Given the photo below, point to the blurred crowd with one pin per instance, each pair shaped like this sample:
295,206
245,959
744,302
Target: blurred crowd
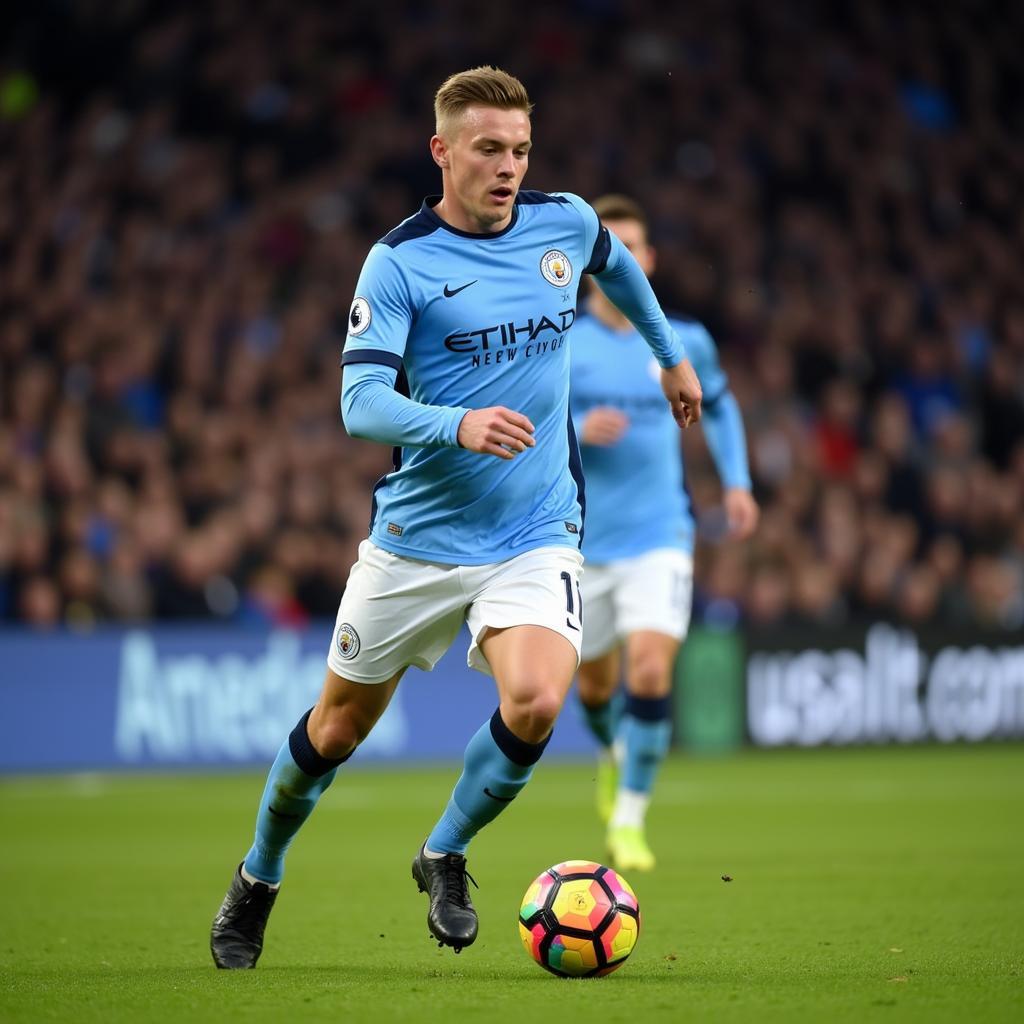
187,192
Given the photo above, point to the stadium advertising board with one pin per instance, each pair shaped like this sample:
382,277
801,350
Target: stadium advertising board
207,696
883,685
218,697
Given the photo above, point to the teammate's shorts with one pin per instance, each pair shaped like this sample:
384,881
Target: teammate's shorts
399,611
652,591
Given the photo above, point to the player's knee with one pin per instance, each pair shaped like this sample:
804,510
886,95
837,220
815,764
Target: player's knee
337,733
532,717
595,687
650,675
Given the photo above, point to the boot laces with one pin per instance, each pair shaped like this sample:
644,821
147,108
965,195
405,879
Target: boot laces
455,875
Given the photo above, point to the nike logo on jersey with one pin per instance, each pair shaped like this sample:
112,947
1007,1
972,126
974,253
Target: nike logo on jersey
500,799
449,292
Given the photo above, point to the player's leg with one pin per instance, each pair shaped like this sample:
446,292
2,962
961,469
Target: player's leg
597,686
395,612
533,666
600,665
644,734
653,612
600,673
324,738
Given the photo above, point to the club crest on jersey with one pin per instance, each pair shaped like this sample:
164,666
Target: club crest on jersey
359,316
347,641
556,268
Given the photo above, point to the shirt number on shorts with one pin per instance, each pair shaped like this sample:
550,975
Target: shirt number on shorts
567,580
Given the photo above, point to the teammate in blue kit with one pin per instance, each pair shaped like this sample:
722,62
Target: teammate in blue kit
639,539
458,356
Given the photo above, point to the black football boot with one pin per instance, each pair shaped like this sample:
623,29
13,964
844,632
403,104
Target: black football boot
451,918
236,938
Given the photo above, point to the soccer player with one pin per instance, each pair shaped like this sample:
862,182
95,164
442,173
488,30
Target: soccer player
458,356
639,539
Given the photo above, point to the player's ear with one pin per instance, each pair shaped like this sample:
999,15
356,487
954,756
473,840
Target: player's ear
652,258
439,151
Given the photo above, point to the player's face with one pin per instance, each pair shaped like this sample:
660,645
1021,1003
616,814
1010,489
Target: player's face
633,236
483,164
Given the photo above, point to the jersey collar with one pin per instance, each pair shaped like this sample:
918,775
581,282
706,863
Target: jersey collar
427,210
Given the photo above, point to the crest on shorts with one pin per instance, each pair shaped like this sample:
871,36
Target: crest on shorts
556,268
346,639
359,316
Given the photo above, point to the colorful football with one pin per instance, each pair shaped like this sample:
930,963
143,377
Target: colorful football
579,919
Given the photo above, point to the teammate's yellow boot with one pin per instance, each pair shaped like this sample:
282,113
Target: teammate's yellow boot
628,849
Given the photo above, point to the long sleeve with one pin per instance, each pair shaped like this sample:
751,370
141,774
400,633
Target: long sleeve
372,409
622,280
723,430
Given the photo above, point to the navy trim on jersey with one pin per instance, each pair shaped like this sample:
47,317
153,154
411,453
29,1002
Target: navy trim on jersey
602,250
371,355
417,226
576,469
531,197
427,211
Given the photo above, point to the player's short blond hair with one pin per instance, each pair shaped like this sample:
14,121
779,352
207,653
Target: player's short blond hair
619,207
486,86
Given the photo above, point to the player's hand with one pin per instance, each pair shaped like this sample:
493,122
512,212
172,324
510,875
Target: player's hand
496,431
741,512
682,389
603,426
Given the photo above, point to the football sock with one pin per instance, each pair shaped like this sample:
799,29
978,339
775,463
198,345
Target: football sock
645,731
603,719
497,766
296,781
630,809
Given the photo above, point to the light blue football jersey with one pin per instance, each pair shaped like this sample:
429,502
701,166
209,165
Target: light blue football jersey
472,321
636,499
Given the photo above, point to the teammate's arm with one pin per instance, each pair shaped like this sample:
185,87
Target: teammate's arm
602,426
723,430
724,433
619,276
622,280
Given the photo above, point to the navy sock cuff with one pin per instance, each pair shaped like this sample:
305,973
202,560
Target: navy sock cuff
305,755
516,750
649,709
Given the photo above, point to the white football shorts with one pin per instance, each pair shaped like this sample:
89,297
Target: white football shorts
399,611
652,591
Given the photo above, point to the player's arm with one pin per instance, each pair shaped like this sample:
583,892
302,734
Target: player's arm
724,433
619,276
371,408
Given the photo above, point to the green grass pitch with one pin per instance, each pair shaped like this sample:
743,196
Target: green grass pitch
866,885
